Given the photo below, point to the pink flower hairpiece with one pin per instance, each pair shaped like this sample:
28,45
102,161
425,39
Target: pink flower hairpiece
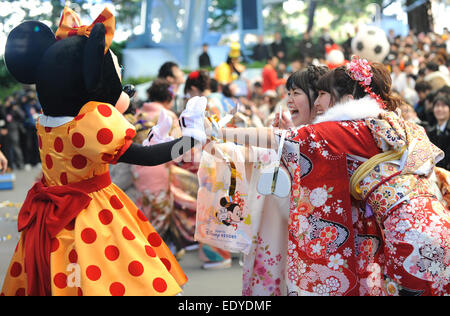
359,69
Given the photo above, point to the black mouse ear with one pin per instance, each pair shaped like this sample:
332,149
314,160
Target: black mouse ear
94,55
25,46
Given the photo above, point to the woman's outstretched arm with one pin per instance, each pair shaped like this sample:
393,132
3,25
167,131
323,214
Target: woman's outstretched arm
259,137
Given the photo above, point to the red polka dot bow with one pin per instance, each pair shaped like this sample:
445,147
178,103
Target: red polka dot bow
70,25
236,199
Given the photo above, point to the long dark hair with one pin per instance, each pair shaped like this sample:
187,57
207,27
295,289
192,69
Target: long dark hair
307,79
338,83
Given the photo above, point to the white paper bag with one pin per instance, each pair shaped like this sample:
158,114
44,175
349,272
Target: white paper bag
223,217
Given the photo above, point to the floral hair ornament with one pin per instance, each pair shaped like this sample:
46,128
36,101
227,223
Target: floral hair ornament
359,69
194,75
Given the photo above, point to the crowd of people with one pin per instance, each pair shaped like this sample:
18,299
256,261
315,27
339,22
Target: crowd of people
419,66
18,139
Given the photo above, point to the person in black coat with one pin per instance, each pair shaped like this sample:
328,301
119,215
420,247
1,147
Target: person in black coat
14,117
324,40
278,48
260,50
439,134
423,88
203,60
29,104
306,48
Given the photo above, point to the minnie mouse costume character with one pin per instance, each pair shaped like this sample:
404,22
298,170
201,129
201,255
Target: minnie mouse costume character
81,235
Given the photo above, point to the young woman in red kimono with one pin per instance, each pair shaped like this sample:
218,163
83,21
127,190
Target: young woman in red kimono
361,146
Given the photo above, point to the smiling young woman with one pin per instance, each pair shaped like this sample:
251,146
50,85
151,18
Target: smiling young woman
302,91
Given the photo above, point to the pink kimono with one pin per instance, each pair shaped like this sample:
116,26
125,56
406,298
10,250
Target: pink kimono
166,194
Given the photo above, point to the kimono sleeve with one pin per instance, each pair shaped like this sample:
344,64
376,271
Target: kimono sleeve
339,138
101,133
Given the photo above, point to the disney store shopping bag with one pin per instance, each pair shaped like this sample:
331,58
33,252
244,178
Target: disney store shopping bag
223,217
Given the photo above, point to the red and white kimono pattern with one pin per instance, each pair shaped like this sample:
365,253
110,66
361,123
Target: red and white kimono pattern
409,257
333,249
415,223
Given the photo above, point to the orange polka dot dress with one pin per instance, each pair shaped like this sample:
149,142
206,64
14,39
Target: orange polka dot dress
110,248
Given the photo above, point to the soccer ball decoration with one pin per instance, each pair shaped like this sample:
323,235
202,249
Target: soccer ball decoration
371,43
334,56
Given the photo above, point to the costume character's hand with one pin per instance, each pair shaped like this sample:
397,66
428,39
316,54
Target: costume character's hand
160,132
192,119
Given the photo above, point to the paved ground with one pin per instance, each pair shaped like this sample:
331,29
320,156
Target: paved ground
226,282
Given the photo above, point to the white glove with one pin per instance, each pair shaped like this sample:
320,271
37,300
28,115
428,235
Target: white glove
160,132
192,119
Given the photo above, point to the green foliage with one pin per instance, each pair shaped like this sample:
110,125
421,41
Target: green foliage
222,15
128,12
293,49
273,21
343,11
348,10
117,48
255,65
138,80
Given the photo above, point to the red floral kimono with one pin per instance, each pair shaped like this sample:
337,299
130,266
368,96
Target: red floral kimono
323,257
335,249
